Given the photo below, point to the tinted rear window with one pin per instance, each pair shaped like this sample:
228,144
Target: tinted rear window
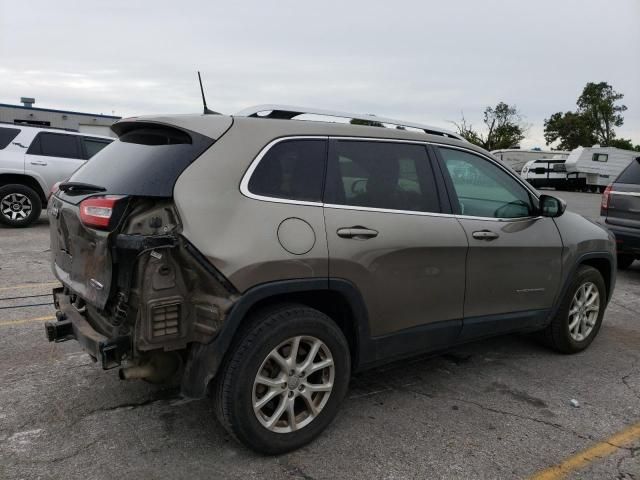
145,161
93,145
292,169
631,174
7,135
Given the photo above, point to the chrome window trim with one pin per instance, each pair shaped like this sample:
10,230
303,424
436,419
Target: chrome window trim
631,194
244,183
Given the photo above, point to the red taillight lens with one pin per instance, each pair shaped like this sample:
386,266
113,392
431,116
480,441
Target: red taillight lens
97,211
54,189
605,197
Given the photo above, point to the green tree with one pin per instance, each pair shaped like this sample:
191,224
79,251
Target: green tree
503,124
624,143
597,105
366,123
570,129
597,115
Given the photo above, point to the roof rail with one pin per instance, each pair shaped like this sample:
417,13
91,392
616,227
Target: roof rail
288,112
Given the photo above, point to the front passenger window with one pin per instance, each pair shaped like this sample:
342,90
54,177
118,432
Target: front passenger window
484,189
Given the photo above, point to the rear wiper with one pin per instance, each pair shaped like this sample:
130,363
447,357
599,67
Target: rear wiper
80,187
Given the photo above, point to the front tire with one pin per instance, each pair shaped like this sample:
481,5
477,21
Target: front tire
579,317
284,379
20,205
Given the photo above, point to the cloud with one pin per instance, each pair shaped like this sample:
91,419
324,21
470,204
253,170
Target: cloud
422,61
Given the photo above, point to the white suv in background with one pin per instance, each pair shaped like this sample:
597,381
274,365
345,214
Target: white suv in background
32,160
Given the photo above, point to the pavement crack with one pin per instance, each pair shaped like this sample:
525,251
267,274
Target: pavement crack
625,380
74,453
294,471
557,426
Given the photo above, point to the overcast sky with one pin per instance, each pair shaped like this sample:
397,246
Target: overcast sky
425,61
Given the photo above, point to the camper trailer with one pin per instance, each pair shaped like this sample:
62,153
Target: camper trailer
552,173
516,158
601,165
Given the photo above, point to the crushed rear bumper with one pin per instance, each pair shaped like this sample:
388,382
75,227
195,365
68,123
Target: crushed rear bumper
73,324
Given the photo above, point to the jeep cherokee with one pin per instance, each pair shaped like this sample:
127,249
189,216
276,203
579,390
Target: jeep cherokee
265,258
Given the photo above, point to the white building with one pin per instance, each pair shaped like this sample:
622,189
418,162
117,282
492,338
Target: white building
27,114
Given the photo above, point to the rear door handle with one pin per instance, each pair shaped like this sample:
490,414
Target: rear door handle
357,232
485,235
38,162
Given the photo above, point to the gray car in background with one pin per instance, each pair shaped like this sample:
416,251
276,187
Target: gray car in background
620,212
264,259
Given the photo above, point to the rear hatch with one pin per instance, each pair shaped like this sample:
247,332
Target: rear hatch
624,198
88,210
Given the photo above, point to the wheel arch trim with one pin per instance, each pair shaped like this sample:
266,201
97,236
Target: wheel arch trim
204,360
577,263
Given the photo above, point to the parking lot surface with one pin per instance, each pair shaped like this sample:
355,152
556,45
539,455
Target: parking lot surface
500,408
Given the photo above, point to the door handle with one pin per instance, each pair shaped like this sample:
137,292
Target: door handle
357,232
485,235
38,162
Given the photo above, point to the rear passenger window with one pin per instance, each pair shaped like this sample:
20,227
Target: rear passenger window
7,135
55,145
291,169
631,174
395,176
93,145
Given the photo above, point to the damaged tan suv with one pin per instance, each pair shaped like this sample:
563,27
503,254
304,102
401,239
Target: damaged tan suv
264,258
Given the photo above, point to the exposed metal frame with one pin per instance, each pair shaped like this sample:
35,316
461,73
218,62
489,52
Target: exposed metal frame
244,183
289,112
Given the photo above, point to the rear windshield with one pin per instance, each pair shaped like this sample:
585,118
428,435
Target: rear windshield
7,135
145,161
631,174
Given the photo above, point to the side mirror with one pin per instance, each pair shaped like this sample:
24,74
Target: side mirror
551,206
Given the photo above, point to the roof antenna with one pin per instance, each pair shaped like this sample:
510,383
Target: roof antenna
204,101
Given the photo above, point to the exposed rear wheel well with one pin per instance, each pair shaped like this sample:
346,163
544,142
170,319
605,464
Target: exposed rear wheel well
603,265
331,303
9,178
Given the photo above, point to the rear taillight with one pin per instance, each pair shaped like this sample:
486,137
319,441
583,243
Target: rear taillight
605,197
54,189
97,212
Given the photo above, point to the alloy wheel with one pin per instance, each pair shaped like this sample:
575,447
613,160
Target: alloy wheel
293,384
16,206
584,311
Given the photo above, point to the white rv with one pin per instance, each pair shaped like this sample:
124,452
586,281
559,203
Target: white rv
516,158
552,173
600,164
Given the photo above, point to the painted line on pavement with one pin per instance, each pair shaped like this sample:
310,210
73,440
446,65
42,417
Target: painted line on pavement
27,320
31,285
586,457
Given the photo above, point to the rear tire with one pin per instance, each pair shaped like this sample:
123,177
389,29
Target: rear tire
577,321
295,409
20,205
625,261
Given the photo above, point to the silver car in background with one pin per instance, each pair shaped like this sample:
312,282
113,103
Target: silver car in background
32,160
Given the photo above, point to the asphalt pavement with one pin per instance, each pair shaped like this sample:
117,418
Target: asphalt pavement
495,409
